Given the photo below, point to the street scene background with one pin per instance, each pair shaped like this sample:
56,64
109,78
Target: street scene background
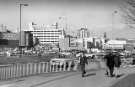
79,43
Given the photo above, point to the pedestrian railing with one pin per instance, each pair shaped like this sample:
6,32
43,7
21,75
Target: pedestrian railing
22,70
27,69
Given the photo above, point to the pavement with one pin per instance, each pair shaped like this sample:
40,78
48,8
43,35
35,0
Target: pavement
94,78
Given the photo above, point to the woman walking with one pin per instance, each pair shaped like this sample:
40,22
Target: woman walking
117,63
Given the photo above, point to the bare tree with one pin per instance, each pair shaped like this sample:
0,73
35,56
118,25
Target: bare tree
128,12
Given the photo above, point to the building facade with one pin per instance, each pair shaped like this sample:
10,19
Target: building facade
26,39
13,40
49,34
9,40
83,33
115,44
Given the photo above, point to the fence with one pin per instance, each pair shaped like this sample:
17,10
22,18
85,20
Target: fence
23,70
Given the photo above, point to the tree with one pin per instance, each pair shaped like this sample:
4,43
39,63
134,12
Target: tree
8,31
128,10
1,35
36,42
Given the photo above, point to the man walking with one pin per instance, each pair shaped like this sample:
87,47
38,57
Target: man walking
83,61
117,63
110,63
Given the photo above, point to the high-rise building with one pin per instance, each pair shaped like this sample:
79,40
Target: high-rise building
47,34
26,39
83,33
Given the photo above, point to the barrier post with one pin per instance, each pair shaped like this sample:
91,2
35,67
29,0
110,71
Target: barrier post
43,67
69,66
39,68
75,66
47,67
64,66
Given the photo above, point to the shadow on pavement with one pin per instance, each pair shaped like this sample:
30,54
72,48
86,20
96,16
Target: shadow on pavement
63,77
90,74
120,75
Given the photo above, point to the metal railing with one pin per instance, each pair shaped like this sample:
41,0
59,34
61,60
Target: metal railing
22,70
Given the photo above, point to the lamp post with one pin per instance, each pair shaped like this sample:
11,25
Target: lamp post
21,26
113,19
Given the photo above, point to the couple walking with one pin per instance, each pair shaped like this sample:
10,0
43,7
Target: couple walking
113,63
83,61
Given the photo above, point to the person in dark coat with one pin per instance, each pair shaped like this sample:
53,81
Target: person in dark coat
117,63
83,61
110,63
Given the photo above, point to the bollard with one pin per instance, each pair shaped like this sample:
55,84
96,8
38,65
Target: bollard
14,71
30,67
75,66
20,70
39,68
35,68
69,66
10,75
50,70
3,73
64,67
56,67
53,67
60,69
6,72
27,69
23,70
0,73
47,67
43,67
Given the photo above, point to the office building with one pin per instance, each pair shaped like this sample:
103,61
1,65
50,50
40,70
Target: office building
47,34
83,33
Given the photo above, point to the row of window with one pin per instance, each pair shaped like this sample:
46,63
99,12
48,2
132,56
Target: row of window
46,31
49,41
41,34
46,36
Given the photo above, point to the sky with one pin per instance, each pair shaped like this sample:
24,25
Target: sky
96,15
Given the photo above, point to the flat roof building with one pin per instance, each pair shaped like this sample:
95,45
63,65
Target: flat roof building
46,34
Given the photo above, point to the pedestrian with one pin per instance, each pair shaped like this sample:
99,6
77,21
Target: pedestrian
92,58
109,58
117,63
83,61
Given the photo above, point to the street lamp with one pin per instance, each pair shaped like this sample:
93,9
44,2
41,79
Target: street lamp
113,19
21,25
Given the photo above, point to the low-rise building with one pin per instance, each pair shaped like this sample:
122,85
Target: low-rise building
115,44
81,43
